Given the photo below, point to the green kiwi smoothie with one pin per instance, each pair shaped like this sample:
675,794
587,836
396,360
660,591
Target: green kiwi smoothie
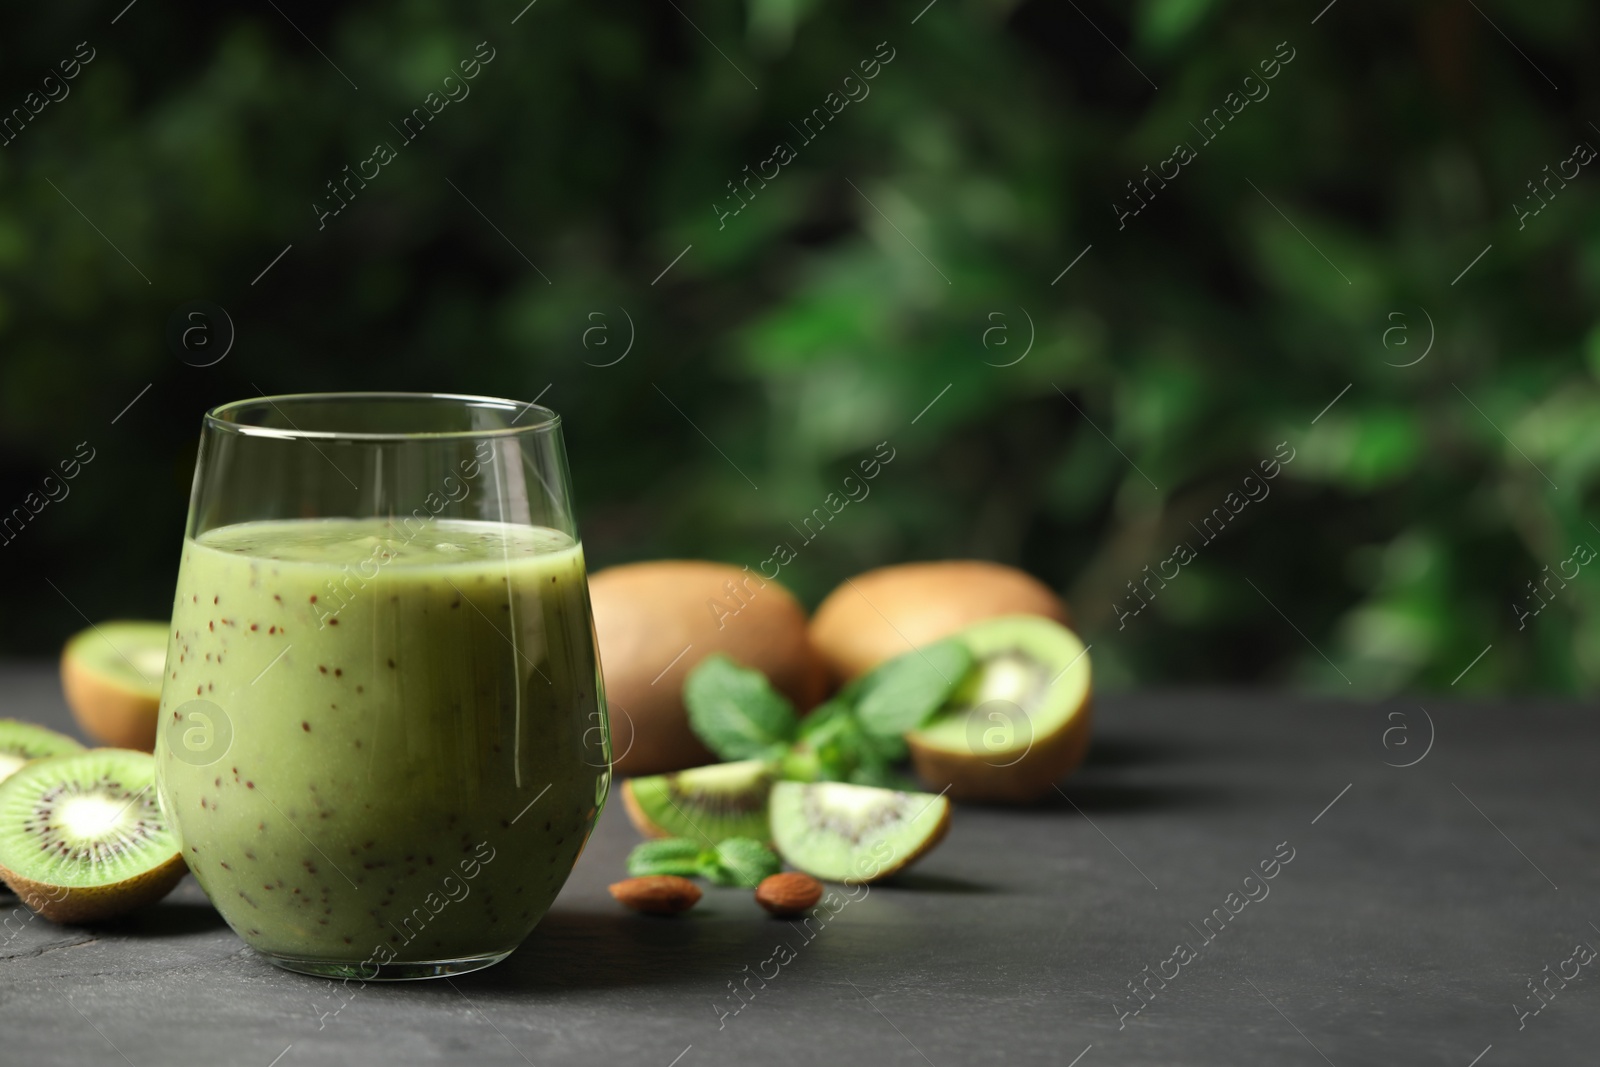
378,742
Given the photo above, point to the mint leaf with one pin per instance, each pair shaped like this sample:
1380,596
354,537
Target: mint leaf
825,751
740,861
837,747
824,717
875,758
672,855
904,693
736,712
885,750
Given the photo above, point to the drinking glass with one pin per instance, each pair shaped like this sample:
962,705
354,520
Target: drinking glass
383,736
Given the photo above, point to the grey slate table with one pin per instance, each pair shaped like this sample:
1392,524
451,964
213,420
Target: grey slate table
1419,903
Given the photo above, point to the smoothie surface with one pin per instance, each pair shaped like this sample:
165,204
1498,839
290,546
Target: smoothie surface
390,541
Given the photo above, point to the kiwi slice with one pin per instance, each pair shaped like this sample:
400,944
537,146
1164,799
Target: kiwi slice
703,803
854,833
23,741
82,837
112,677
1018,723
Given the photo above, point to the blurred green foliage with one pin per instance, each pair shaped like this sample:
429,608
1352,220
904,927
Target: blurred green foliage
858,284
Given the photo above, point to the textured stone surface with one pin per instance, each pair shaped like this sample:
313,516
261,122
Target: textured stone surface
1404,930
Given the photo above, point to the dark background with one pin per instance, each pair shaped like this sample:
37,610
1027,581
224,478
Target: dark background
912,246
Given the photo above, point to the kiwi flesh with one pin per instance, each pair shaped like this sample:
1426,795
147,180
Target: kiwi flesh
111,674
21,742
708,804
1021,720
854,833
82,837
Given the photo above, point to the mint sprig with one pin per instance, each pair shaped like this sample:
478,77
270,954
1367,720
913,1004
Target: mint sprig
672,855
858,736
740,861
736,712
904,693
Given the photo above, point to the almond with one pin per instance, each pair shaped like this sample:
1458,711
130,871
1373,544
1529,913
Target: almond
788,894
657,894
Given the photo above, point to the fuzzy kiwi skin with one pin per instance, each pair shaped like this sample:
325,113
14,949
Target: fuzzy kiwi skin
970,777
645,614
107,709
870,618
926,847
90,904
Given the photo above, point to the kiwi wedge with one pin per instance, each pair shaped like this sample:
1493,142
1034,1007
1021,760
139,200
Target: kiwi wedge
854,833
1018,723
112,677
21,742
708,804
82,837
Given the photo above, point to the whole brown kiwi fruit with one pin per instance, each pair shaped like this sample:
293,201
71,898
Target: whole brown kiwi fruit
885,613
656,621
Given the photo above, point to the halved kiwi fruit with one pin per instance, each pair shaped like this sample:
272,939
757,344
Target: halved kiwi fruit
21,742
82,837
1021,720
112,677
717,802
854,833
